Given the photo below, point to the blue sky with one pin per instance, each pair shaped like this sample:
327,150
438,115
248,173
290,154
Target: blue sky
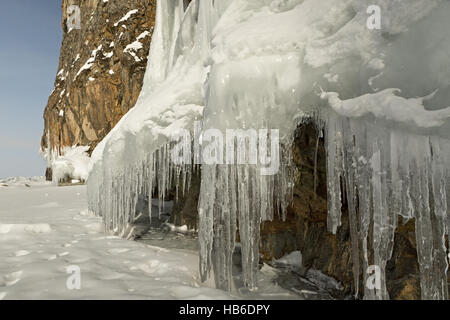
30,39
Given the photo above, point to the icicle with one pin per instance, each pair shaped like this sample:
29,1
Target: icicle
224,229
242,194
351,189
178,12
335,164
206,219
384,223
428,200
316,154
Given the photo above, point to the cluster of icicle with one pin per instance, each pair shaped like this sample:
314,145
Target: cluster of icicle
384,173
240,195
233,197
116,198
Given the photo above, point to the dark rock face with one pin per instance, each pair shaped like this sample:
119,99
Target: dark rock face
100,73
185,207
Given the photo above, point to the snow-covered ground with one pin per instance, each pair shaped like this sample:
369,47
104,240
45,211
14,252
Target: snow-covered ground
44,230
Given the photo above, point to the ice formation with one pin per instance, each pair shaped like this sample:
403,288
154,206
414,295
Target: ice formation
68,162
72,163
381,97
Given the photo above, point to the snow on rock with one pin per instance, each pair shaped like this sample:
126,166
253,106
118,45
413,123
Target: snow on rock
178,229
292,259
241,64
132,48
89,63
126,16
108,54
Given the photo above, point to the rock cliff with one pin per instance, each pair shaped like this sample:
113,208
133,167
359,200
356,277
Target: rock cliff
101,70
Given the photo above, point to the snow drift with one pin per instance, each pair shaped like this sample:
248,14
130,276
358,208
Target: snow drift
381,97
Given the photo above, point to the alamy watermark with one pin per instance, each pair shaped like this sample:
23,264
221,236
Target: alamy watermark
374,20
374,280
234,146
73,281
74,17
